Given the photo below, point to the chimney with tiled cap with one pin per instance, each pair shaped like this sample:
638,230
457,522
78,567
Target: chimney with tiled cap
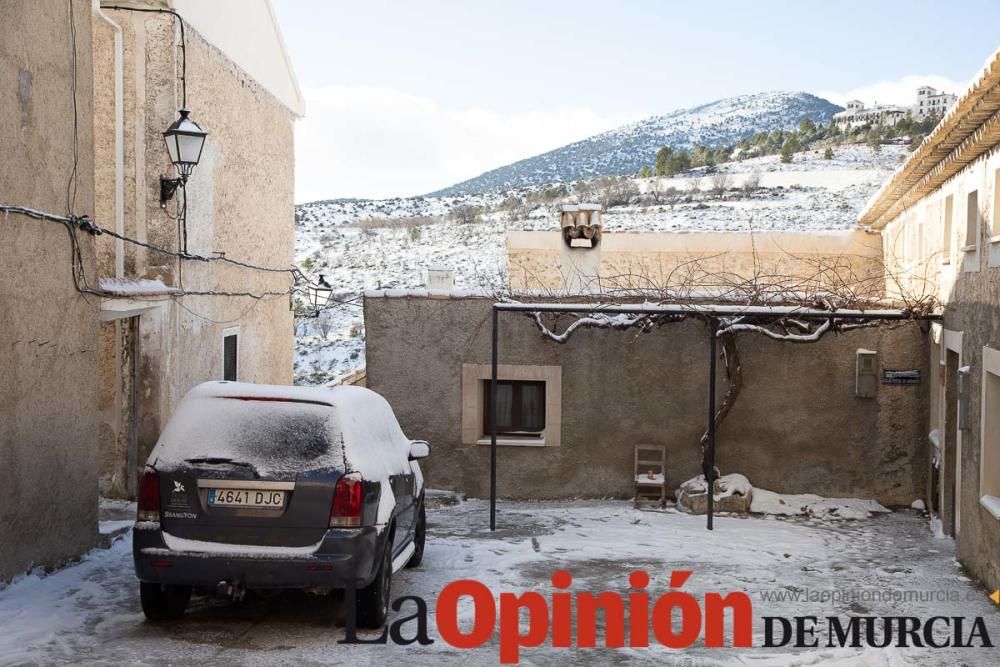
580,253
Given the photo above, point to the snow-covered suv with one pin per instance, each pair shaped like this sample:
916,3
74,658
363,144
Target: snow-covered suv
257,486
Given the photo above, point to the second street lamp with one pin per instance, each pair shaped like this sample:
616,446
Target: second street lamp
320,294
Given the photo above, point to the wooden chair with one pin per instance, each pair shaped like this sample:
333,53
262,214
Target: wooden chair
650,474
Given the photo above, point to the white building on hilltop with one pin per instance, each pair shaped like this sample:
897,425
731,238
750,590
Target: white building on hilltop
858,114
929,101
932,101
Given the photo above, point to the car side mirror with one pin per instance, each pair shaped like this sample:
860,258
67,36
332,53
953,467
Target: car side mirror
419,449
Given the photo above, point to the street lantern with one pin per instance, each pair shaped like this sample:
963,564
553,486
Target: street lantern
185,141
320,295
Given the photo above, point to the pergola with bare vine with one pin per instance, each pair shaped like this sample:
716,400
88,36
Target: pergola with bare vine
790,308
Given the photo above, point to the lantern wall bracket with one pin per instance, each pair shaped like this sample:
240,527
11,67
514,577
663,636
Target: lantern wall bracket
168,186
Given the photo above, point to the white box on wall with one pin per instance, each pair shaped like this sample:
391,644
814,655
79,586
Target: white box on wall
865,373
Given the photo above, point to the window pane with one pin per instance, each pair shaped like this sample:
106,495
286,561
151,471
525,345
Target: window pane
505,407
972,219
947,227
532,406
229,358
520,407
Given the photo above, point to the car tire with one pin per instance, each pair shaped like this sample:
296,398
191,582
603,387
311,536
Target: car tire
373,599
162,602
419,536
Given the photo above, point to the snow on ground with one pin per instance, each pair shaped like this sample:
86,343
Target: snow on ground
808,504
889,564
339,240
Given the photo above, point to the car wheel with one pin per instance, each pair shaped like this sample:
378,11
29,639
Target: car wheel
419,535
373,599
161,602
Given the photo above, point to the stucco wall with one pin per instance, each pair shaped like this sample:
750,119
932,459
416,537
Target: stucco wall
796,428
542,261
240,202
48,423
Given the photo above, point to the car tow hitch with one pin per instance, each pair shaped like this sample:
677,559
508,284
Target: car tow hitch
234,590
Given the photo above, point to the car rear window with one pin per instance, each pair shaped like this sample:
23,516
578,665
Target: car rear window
271,435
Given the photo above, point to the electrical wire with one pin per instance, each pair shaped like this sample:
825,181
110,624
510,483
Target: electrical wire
84,223
182,211
73,224
180,23
71,185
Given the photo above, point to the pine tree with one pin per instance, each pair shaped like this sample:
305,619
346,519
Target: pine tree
662,158
678,162
787,150
828,153
645,172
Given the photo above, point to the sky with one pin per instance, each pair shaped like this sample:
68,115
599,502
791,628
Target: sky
403,98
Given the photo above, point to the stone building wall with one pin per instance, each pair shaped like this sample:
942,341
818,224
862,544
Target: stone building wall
48,357
963,272
239,202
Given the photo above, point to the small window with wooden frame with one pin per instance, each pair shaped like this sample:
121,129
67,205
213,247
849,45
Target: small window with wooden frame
520,408
528,405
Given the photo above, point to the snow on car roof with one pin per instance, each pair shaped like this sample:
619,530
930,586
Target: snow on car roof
287,429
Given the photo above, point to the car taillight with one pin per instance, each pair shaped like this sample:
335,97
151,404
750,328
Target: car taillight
347,503
149,497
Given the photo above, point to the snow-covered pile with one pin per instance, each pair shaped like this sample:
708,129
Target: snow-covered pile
385,244
763,501
725,486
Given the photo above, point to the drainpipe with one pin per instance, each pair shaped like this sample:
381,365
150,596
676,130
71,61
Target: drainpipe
119,139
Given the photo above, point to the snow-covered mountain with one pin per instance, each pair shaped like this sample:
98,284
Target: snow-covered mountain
359,244
626,149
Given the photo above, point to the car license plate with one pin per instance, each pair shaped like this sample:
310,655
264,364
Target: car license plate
246,498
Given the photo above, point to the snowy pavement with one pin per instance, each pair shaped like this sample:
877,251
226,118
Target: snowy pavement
89,612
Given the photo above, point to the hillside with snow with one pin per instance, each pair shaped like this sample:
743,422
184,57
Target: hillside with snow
371,244
626,149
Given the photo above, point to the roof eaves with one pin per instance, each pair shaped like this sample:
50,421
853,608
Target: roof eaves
957,140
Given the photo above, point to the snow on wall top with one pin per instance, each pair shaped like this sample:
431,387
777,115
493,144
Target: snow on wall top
282,429
141,287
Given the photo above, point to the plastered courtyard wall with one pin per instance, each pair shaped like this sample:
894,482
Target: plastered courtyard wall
48,357
542,260
797,427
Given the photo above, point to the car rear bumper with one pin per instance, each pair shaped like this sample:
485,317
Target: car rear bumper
343,557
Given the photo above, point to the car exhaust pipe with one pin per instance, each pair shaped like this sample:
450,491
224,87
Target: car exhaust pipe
233,590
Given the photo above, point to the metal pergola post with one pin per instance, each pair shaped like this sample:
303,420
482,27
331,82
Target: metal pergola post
712,313
493,423
709,457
